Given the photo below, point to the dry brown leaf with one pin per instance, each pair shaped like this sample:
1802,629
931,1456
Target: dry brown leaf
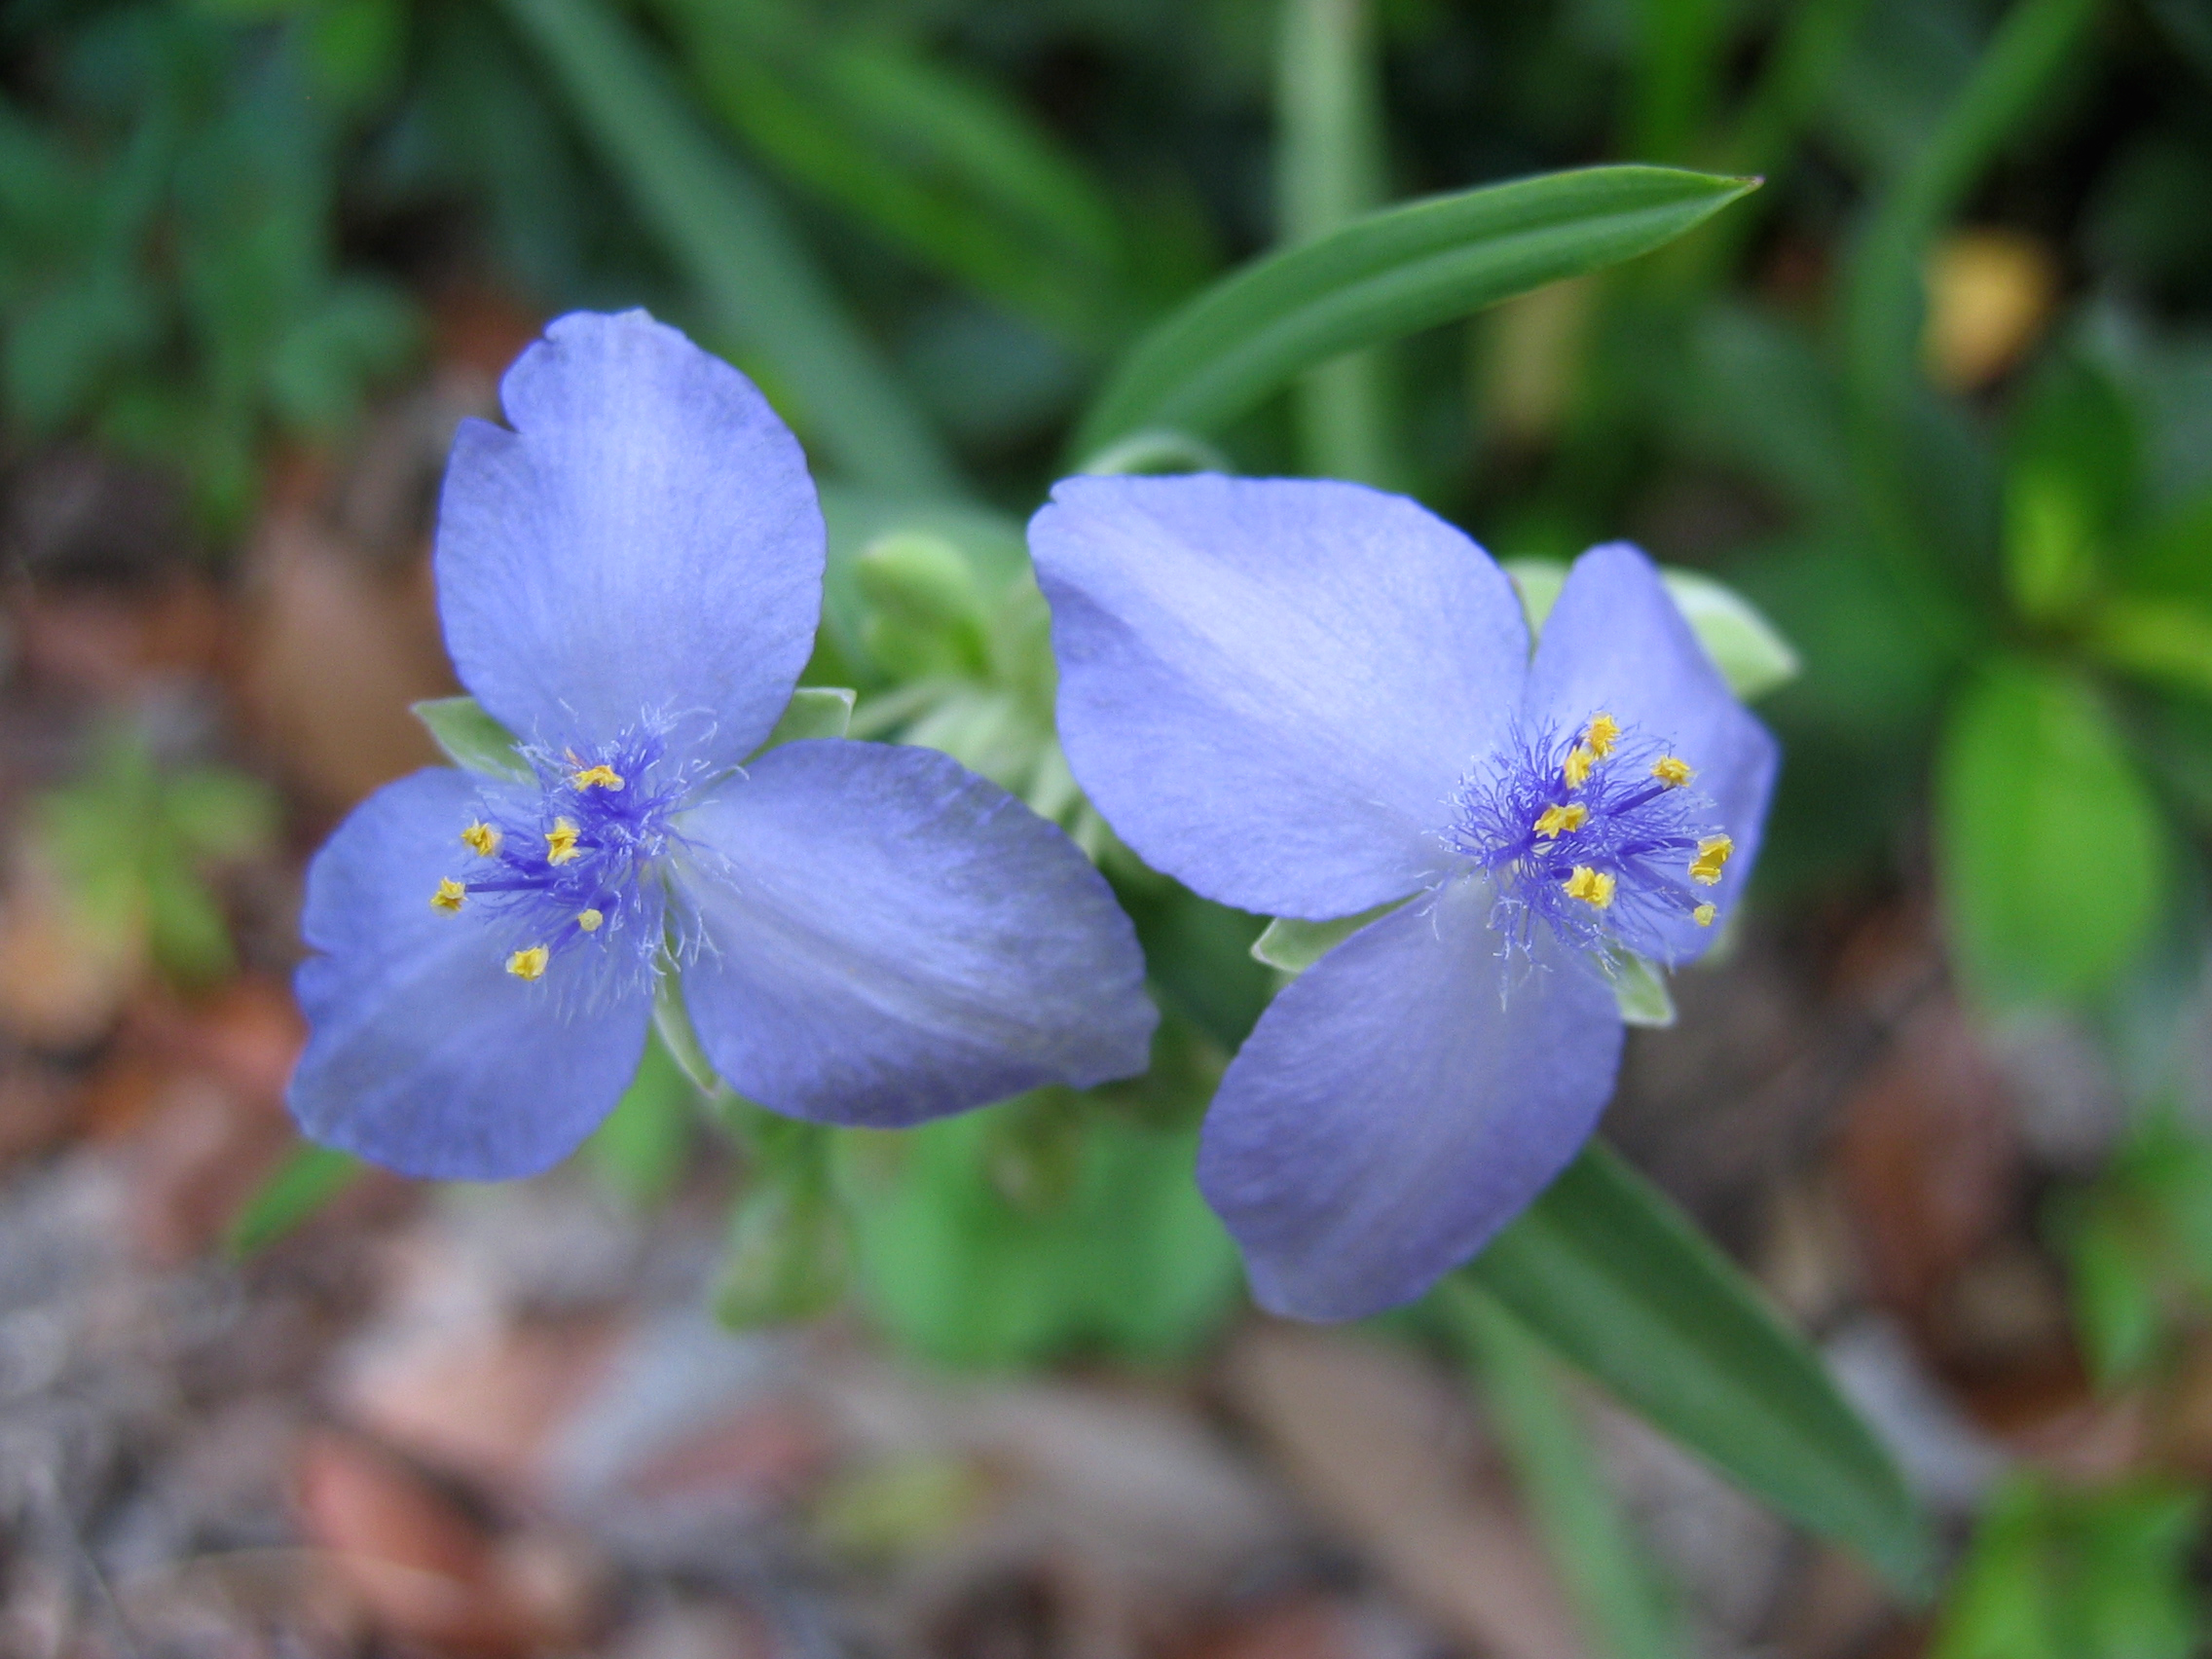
1388,1454
336,653
423,1567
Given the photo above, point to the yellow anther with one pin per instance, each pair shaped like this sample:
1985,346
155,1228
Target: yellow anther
561,842
529,964
1557,820
589,920
481,840
1593,887
449,894
1603,732
1577,771
1703,915
1671,771
1711,853
598,777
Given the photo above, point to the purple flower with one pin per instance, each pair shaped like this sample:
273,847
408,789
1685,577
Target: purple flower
629,580
1309,699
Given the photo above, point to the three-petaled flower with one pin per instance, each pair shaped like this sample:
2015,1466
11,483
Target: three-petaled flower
631,580
1310,700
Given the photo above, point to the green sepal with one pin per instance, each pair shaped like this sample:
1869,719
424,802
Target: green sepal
1293,947
1616,1279
673,1021
472,739
814,711
1750,651
1639,990
306,1180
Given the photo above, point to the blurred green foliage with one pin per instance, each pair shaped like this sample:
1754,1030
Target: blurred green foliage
137,842
2061,1573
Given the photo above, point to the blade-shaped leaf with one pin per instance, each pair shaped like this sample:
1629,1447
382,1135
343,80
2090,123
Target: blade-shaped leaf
306,1180
733,241
1608,1272
1624,1606
471,738
1385,275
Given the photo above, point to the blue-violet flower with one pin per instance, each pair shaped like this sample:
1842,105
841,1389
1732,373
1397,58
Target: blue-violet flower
629,580
1310,700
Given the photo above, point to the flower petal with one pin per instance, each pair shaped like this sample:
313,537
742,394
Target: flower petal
1401,1101
1615,641
1272,688
423,1053
889,938
646,538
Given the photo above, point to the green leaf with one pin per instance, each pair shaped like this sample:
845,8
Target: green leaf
2072,470
731,239
1619,1281
2060,1572
1622,1603
1640,989
1293,945
1750,651
969,1258
2166,641
1388,275
814,711
309,1178
2050,851
945,168
471,738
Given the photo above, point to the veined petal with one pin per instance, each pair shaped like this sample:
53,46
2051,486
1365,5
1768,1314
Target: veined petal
1402,1100
424,1053
646,538
1272,688
889,938
1616,641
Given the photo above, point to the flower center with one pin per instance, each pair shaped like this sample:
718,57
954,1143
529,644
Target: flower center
1596,832
572,861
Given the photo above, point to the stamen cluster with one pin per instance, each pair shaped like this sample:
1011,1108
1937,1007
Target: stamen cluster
577,857
1595,834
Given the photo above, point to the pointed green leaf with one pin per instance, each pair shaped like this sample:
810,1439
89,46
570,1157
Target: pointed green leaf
309,1178
1294,946
815,711
1385,275
731,238
471,738
1619,1597
1618,1280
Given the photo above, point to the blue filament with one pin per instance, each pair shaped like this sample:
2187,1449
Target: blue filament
1640,831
